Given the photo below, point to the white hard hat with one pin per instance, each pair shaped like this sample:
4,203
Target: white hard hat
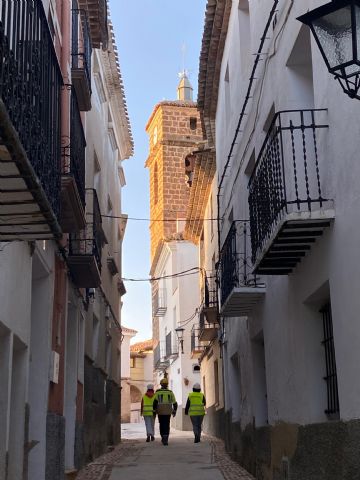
150,387
197,386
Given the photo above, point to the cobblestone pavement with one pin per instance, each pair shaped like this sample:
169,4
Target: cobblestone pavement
133,458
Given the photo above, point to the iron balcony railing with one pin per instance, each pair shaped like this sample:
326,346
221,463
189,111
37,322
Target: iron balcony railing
286,177
210,291
74,153
235,263
30,85
160,360
159,301
171,347
90,240
81,44
194,340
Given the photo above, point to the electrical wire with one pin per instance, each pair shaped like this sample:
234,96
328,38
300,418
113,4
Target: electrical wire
184,273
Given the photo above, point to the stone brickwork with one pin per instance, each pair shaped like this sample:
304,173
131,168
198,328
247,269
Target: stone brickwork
95,428
171,139
321,451
55,447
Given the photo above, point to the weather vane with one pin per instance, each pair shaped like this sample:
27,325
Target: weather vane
184,72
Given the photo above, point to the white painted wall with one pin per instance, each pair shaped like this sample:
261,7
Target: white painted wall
182,298
289,318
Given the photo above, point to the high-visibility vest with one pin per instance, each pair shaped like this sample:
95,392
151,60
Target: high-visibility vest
148,406
197,406
166,399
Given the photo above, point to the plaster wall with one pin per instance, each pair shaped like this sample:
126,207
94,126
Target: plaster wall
288,321
182,302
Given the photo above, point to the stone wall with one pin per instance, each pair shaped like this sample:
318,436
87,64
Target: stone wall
169,193
322,451
95,429
55,447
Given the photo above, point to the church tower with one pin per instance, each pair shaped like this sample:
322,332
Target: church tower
174,130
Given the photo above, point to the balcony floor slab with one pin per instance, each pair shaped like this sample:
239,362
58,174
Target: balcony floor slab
291,240
241,301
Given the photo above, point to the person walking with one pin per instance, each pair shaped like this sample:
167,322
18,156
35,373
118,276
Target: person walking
147,411
164,405
195,407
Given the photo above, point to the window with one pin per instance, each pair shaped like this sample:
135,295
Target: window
196,368
193,123
331,375
132,362
216,382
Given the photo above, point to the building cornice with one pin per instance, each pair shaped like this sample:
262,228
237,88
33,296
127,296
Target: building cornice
217,17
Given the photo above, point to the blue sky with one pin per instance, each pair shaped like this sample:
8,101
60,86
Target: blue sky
149,35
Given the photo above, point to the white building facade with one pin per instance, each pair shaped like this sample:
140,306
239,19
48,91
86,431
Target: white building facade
178,308
287,194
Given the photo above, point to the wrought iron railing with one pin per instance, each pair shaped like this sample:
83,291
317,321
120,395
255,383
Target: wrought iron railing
286,177
74,153
210,291
235,263
195,344
30,85
90,240
160,360
171,347
81,43
159,301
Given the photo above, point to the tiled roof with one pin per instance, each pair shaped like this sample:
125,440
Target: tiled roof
142,346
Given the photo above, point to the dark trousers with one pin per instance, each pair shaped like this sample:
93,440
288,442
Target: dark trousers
164,422
196,421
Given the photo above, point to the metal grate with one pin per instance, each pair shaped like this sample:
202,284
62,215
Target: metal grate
30,85
235,263
81,44
74,153
286,177
331,375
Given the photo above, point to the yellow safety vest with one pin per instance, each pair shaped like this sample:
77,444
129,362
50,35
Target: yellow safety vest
166,399
148,410
196,404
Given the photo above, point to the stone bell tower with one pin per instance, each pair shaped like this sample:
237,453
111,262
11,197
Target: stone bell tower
174,130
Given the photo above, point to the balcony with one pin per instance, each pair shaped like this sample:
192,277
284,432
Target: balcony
159,301
29,124
160,361
171,346
196,348
84,260
289,201
81,58
72,217
240,290
210,298
97,15
208,331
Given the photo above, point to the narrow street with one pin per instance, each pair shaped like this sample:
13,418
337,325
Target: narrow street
136,459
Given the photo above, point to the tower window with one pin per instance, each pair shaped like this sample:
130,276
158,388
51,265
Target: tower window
193,123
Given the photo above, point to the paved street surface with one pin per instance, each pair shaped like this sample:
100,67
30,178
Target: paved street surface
181,459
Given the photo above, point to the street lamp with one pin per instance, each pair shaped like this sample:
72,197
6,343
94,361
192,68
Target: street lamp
336,29
180,335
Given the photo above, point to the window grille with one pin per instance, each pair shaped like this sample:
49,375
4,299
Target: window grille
331,376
